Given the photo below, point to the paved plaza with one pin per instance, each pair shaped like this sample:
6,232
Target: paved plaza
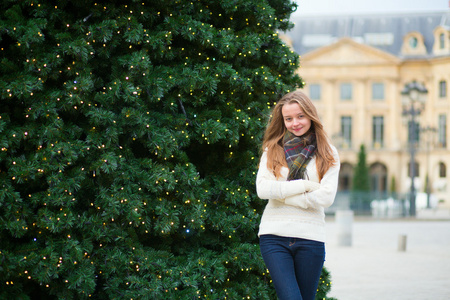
374,268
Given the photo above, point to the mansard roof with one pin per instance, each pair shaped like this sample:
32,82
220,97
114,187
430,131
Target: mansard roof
382,31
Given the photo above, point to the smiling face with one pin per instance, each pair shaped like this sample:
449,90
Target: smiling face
295,120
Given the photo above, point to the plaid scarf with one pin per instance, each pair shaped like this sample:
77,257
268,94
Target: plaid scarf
298,151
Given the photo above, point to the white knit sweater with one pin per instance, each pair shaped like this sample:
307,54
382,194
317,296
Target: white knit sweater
296,208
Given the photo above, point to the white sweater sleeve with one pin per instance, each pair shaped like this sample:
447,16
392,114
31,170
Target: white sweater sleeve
268,187
325,194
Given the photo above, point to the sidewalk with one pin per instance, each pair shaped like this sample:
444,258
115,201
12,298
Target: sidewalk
373,268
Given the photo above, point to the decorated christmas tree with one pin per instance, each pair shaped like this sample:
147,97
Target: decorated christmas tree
129,144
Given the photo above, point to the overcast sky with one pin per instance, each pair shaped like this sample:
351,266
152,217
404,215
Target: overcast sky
339,7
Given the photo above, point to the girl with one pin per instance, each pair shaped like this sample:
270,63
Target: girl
298,174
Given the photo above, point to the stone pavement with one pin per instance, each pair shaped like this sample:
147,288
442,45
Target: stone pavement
373,268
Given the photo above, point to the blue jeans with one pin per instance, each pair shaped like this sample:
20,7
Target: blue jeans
295,265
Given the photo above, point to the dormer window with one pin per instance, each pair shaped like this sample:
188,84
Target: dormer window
413,44
441,41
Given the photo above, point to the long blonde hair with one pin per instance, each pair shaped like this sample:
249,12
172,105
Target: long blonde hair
275,131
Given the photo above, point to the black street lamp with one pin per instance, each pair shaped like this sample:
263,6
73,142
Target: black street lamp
413,101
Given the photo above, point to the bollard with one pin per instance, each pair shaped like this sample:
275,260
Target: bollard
402,242
344,222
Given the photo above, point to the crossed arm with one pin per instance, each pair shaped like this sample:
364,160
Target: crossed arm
301,193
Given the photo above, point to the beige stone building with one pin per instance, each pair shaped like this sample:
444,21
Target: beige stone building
355,68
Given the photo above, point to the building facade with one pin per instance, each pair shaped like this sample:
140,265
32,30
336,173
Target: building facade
355,68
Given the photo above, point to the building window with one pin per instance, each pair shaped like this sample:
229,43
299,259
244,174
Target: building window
442,131
377,91
442,89
377,131
346,91
345,177
413,42
346,131
442,170
378,178
416,169
441,41
315,92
